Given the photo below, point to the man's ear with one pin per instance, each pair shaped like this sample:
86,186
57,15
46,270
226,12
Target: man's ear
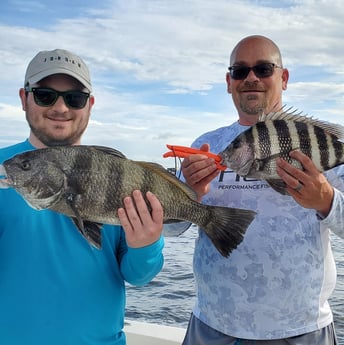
285,78
22,95
228,81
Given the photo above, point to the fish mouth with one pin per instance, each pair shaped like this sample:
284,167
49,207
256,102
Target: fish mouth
225,161
241,168
5,182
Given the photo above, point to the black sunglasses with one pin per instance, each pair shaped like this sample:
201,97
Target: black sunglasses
262,70
46,97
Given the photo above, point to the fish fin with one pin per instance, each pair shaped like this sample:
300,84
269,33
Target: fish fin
175,227
282,114
279,186
160,170
259,164
88,229
91,231
4,184
227,227
171,221
108,150
294,115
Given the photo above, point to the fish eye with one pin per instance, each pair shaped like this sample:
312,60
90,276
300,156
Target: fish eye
25,165
236,144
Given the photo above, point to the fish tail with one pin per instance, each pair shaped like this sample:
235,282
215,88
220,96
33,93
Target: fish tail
227,227
91,231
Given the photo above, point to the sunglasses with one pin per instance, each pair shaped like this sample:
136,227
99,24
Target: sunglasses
262,70
46,97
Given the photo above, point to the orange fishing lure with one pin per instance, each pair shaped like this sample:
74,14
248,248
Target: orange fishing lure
184,151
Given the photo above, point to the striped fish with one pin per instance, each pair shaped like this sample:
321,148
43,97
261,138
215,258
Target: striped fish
253,153
88,184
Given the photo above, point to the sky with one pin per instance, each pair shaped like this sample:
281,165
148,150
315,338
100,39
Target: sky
158,66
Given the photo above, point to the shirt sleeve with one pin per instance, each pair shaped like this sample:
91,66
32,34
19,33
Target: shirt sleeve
335,219
140,265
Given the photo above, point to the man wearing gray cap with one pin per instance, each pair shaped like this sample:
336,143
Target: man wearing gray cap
54,287
55,120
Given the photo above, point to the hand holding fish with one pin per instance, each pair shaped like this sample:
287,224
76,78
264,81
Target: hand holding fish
308,187
199,171
141,227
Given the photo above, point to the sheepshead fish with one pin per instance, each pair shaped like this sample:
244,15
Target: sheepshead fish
253,153
88,183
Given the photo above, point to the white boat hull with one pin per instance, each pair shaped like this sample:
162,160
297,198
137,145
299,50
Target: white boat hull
143,333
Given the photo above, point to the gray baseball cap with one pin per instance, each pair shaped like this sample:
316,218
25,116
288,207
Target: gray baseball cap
46,63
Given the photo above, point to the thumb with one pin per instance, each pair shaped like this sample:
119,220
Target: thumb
205,148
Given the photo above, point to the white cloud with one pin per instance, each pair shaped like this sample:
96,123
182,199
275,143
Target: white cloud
159,67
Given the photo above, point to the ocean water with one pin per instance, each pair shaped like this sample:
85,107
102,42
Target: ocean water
169,298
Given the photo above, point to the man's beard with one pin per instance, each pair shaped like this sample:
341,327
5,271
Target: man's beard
245,101
258,109
48,140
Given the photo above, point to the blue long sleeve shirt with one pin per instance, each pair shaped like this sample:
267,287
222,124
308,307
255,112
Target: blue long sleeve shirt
54,287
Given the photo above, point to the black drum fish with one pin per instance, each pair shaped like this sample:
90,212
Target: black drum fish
88,183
